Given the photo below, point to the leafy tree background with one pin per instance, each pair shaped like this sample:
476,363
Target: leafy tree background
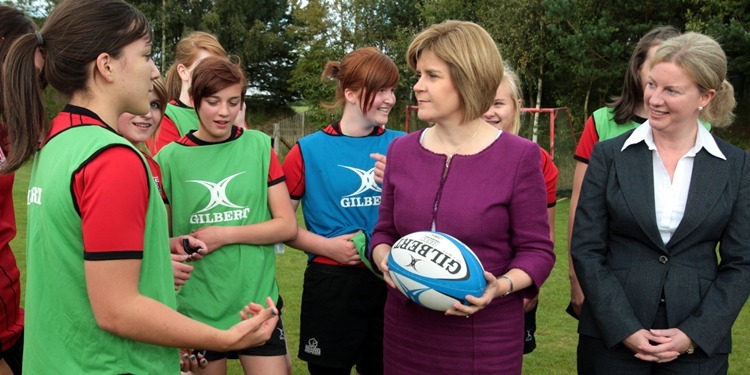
569,53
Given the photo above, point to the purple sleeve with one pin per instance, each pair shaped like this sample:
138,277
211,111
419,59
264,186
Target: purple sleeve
385,229
529,226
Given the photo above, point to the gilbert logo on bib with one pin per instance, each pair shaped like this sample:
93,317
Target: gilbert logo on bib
218,197
367,184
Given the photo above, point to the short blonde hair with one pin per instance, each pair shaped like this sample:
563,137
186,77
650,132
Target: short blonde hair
476,66
702,58
514,84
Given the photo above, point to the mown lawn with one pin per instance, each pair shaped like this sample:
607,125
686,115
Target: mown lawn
556,335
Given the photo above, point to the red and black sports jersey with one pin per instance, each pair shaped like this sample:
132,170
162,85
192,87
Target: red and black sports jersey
112,205
156,173
275,173
11,315
294,166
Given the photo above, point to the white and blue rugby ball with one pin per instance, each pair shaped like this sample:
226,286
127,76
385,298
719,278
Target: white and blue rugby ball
435,270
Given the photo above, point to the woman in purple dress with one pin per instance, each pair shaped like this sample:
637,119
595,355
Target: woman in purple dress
479,184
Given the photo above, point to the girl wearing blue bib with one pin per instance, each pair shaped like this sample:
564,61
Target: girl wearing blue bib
331,173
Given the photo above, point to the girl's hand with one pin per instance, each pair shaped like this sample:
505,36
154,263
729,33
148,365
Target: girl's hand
180,270
212,237
190,360
379,166
193,247
256,326
341,249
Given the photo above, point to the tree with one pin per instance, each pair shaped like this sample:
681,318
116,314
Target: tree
594,40
257,31
526,45
728,21
318,44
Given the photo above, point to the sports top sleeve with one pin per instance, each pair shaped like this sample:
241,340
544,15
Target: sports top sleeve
294,170
550,172
275,173
167,133
112,204
156,173
588,140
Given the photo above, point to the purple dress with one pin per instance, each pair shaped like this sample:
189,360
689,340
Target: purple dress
495,202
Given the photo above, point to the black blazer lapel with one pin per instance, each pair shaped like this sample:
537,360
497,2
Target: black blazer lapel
710,175
635,174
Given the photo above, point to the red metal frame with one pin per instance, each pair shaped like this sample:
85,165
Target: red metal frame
552,116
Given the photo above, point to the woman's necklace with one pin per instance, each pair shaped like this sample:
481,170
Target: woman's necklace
450,154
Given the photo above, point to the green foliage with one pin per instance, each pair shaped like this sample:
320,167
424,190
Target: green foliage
257,31
327,30
526,44
317,47
729,22
594,46
577,49
437,11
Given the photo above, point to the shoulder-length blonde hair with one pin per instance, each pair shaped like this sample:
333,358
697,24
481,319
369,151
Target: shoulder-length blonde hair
476,66
702,58
514,84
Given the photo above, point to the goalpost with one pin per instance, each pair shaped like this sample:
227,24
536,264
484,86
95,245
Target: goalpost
552,112
559,138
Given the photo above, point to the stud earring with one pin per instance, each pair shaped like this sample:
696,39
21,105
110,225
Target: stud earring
700,109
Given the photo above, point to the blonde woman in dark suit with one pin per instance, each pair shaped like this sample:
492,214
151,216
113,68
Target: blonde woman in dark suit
655,204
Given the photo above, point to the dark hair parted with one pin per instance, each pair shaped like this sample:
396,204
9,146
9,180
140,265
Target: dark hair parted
13,23
212,75
366,70
626,104
74,35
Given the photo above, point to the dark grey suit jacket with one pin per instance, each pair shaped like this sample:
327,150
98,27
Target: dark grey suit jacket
623,265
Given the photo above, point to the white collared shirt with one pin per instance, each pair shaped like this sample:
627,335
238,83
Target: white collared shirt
670,197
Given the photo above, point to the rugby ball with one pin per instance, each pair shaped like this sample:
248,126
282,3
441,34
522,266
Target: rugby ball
435,270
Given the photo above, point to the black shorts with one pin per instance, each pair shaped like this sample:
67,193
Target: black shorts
529,323
276,345
341,322
14,356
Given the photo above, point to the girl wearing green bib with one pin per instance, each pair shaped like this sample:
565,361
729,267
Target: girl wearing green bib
225,187
179,114
99,296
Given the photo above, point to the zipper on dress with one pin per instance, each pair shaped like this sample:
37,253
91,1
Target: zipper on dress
440,191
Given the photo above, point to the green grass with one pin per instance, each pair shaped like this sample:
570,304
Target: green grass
556,332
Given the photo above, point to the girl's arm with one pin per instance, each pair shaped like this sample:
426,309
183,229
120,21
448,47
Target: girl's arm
120,309
282,226
340,248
